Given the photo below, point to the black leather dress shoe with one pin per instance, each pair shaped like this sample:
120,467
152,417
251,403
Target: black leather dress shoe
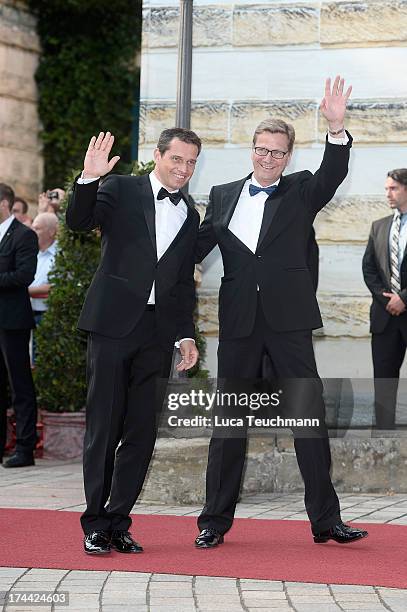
97,543
341,533
124,543
209,538
19,460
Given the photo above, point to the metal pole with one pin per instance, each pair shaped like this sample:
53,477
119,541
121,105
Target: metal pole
183,112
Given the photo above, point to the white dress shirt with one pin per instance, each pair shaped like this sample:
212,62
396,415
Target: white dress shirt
45,261
4,226
248,215
168,221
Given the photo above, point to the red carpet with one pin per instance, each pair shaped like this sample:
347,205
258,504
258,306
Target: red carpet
262,549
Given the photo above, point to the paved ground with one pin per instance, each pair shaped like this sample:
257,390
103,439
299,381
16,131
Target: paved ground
58,486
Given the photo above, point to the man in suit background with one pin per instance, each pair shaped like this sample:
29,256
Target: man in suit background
141,300
18,261
267,304
385,274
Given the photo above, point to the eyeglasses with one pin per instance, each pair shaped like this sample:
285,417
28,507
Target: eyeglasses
263,152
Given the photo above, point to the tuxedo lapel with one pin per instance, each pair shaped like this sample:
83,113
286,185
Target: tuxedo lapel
383,245
229,200
271,206
147,198
276,216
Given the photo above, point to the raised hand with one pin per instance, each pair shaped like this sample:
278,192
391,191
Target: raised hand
96,161
333,105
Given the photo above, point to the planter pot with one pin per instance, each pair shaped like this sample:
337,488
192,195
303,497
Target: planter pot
63,434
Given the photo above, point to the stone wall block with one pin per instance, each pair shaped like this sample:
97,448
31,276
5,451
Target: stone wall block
344,315
19,125
209,120
154,117
212,26
374,122
23,171
285,24
361,23
246,115
163,27
17,69
348,219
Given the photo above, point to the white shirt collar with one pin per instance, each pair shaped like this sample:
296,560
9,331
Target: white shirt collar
4,225
51,249
156,185
254,182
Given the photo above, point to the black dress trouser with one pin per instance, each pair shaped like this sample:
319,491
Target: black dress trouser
388,351
292,357
123,404
15,363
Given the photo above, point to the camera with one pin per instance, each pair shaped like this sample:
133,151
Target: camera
53,195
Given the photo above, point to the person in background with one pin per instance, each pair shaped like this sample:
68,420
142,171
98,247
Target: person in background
385,273
50,201
20,211
46,227
18,261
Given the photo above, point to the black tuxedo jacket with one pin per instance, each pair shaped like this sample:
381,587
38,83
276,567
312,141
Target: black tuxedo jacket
18,263
280,265
377,274
123,207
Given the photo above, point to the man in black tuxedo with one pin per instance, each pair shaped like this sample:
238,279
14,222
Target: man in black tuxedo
267,304
385,274
18,262
141,300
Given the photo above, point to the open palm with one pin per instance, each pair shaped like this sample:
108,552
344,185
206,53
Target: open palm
96,161
334,102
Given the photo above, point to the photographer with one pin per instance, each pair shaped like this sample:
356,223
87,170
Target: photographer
50,201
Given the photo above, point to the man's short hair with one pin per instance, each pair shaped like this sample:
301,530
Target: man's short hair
182,134
6,193
276,126
399,175
23,202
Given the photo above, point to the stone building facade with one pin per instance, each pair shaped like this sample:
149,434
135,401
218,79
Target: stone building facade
270,58
20,149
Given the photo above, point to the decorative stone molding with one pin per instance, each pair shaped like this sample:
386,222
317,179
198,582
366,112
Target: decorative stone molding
374,122
358,23
348,23
348,219
208,119
246,115
211,119
212,26
275,25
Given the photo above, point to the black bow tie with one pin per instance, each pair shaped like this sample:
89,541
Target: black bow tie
174,197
